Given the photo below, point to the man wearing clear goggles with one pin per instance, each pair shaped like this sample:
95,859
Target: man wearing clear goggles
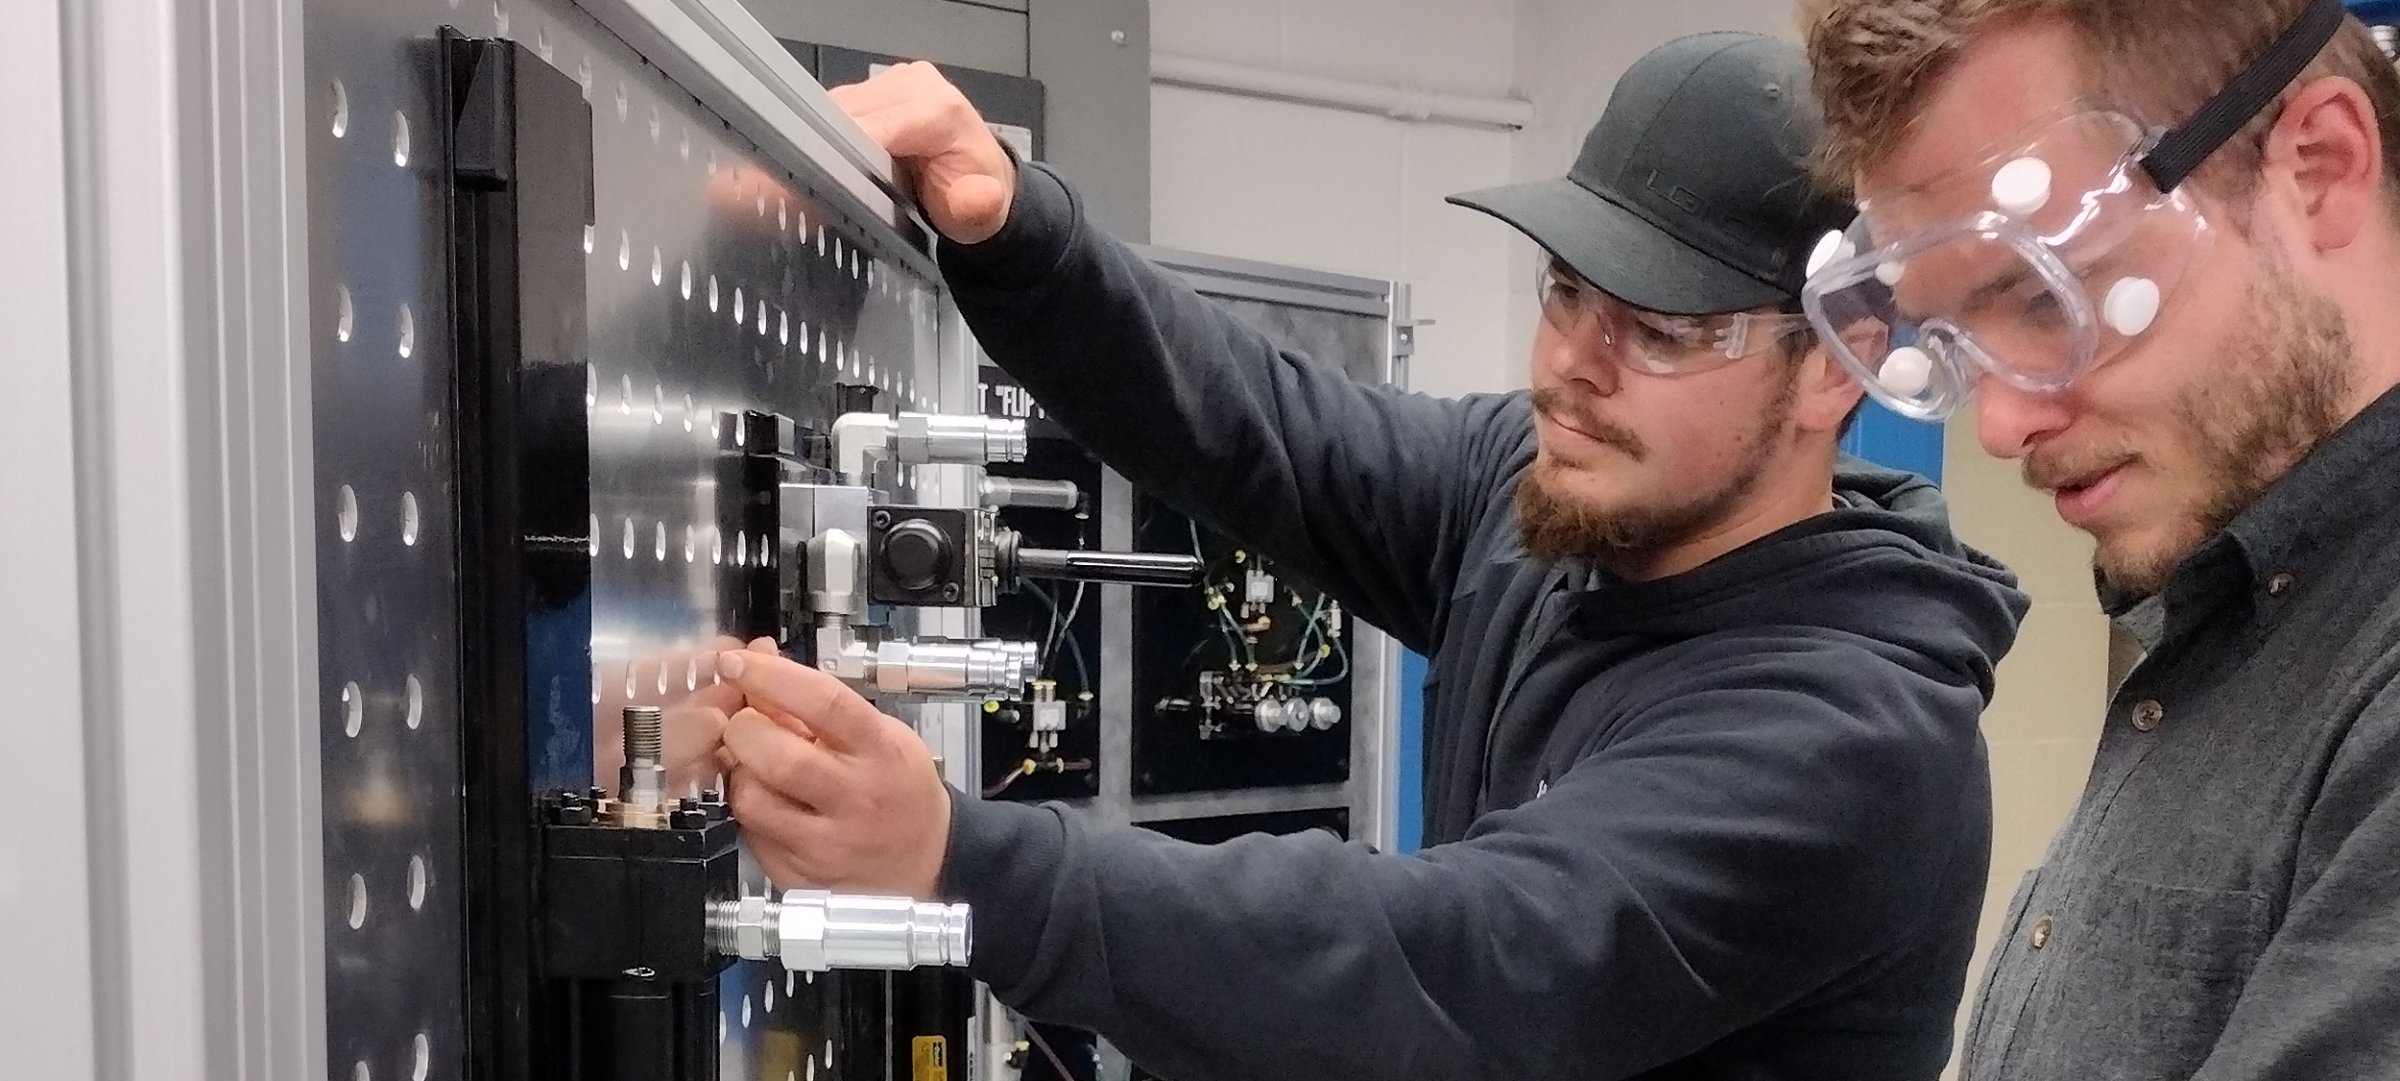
2154,244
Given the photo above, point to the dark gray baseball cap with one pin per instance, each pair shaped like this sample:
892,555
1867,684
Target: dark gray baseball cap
1692,195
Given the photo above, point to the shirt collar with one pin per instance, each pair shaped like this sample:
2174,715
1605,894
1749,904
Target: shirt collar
2345,482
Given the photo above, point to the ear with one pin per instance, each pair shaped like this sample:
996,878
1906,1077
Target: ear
1827,393
2325,155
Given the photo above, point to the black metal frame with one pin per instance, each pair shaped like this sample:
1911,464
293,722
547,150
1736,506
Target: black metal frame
520,155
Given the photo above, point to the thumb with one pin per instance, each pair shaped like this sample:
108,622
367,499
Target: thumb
975,207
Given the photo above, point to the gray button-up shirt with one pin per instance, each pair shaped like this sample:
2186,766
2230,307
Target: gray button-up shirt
2225,900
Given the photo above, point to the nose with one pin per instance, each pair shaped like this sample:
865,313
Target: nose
1584,356
2010,420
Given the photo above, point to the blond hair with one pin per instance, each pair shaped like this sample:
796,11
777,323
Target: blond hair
2160,60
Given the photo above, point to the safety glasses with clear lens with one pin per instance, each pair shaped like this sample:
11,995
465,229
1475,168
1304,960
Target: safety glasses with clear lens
1655,343
2037,262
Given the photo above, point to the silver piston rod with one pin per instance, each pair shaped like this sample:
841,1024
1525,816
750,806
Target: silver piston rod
1032,494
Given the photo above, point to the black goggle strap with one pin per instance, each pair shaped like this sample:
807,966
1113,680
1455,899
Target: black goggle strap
2181,151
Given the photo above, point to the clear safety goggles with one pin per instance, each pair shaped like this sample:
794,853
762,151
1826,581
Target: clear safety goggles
1655,343
2039,261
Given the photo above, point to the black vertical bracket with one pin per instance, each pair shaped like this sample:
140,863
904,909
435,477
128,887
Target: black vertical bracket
520,155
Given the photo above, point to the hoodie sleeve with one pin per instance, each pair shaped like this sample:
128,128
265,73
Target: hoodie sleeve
1748,841
1367,492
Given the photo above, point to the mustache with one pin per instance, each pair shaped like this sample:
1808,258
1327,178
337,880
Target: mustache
2050,472
1560,406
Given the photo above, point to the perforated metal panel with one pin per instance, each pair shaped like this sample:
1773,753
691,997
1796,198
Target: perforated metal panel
718,285
386,545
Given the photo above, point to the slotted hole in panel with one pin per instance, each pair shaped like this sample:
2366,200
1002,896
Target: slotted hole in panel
417,885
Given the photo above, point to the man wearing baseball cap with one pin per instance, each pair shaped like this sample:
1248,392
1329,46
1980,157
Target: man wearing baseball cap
1704,792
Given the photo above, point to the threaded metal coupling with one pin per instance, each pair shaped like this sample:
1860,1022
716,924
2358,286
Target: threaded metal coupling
645,734
967,668
931,439
642,783
820,931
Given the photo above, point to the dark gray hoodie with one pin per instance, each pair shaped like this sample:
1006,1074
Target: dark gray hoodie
1730,824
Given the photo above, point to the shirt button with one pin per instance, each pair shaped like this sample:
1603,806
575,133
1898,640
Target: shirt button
2041,932
2147,714
2279,584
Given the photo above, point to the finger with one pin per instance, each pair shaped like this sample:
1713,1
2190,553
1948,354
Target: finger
840,718
768,710
762,809
788,867
722,697
923,125
978,201
789,723
788,838
879,90
693,740
792,766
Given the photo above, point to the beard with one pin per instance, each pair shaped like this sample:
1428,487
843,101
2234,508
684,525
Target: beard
1556,524
2273,393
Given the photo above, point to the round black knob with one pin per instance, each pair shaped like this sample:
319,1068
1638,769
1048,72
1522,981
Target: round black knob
916,555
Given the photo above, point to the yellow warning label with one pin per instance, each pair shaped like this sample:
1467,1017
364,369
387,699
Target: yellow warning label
930,1059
